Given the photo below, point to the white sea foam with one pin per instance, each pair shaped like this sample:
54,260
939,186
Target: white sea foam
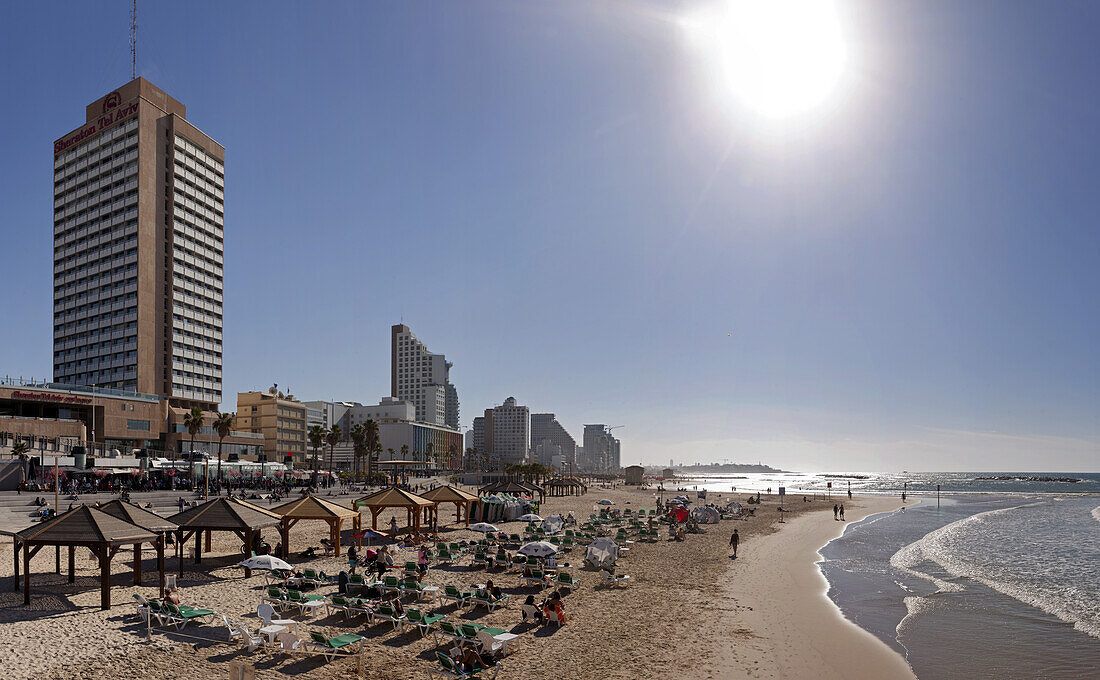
1096,513
1043,554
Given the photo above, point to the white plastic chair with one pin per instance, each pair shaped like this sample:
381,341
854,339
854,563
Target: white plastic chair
489,645
288,642
253,640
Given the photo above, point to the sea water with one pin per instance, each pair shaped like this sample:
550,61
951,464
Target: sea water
995,576
978,585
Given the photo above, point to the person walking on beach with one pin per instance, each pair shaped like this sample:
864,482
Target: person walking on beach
836,509
734,540
841,513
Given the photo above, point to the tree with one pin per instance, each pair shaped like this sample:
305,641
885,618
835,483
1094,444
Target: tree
316,440
429,450
223,425
393,456
334,436
452,453
374,446
193,421
470,457
21,451
359,445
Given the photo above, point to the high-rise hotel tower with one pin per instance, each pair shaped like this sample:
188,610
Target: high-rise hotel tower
138,224
422,378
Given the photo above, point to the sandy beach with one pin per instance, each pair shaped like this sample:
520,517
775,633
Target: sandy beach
690,610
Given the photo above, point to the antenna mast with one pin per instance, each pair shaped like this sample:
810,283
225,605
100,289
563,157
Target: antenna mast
133,41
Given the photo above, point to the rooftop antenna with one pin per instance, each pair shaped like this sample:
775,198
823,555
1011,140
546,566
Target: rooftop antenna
133,41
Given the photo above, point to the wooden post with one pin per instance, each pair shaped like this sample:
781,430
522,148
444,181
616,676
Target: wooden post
160,562
248,551
359,528
26,574
105,578
72,564
57,555
336,534
15,546
208,534
137,564
179,550
198,547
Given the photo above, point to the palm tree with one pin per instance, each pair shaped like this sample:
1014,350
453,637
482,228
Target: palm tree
393,456
359,446
193,422
429,449
332,439
471,456
223,425
316,440
20,450
452,453
374,446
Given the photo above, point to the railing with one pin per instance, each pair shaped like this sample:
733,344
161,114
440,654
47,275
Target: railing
8,381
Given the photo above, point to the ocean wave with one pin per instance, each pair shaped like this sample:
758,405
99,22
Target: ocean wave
1096,513
1025,552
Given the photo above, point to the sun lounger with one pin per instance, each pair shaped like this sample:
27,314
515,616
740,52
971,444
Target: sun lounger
450,670
483,597
566,580
410,586
537,578
341,645
611,580
338,603
385,612
421,621
304,603
181,615
390,584
461,598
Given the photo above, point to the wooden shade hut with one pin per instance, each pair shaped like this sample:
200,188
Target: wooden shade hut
394,497
566,486
150,521
221,514
312,507
90,528
463,501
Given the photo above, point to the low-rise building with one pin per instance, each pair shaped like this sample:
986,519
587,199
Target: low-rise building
281,420
634,474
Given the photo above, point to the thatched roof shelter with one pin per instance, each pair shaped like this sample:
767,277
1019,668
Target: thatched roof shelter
221,514
566,486
463,501
90,528
313,508
394,497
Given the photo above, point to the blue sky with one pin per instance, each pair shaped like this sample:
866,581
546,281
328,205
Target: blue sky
550,193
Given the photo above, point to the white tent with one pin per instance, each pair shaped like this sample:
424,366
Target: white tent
602,553
705,515
483,527
538,549
553,524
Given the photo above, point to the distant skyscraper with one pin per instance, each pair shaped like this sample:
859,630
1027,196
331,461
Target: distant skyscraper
507,431
422,378
138,233
601,449
545,427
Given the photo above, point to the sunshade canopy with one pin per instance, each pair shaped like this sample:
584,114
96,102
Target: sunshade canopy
225,514
312,507
128,512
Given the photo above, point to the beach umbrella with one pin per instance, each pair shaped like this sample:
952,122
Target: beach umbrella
606,501
553,524
538,549
483,527
265,562
530,517
602,553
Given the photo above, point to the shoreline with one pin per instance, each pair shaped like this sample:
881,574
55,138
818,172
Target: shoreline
795,630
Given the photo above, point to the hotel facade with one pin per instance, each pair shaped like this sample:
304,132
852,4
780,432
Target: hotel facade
138,226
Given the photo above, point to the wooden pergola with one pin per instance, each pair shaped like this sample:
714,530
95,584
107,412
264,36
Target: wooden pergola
463,501
221,514
514,488
394,497
90,528
128,512
312,507
566,486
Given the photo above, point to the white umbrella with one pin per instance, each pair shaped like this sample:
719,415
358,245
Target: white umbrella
606,501
265,562
483,527
538,549
602,553
553,524
530,517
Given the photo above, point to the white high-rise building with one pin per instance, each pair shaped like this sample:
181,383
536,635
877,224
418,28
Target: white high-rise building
507,432
422,378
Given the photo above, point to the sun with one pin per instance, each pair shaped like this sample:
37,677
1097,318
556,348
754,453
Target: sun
778,57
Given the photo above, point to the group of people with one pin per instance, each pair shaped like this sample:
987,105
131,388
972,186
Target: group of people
838,512
552,608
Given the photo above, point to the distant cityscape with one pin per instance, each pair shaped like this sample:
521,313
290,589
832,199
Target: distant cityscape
138,346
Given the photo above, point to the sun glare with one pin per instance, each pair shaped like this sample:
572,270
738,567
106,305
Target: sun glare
779,57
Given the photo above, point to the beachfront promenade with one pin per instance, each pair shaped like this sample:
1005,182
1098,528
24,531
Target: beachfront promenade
689,610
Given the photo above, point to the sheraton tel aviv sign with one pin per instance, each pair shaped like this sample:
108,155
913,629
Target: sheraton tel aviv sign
113,112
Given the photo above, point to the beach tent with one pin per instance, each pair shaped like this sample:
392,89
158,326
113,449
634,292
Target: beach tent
602,553
680,515
484,528
553,524
705,515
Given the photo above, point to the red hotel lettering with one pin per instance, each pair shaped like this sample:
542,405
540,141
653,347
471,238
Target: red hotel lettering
49,396
104,122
